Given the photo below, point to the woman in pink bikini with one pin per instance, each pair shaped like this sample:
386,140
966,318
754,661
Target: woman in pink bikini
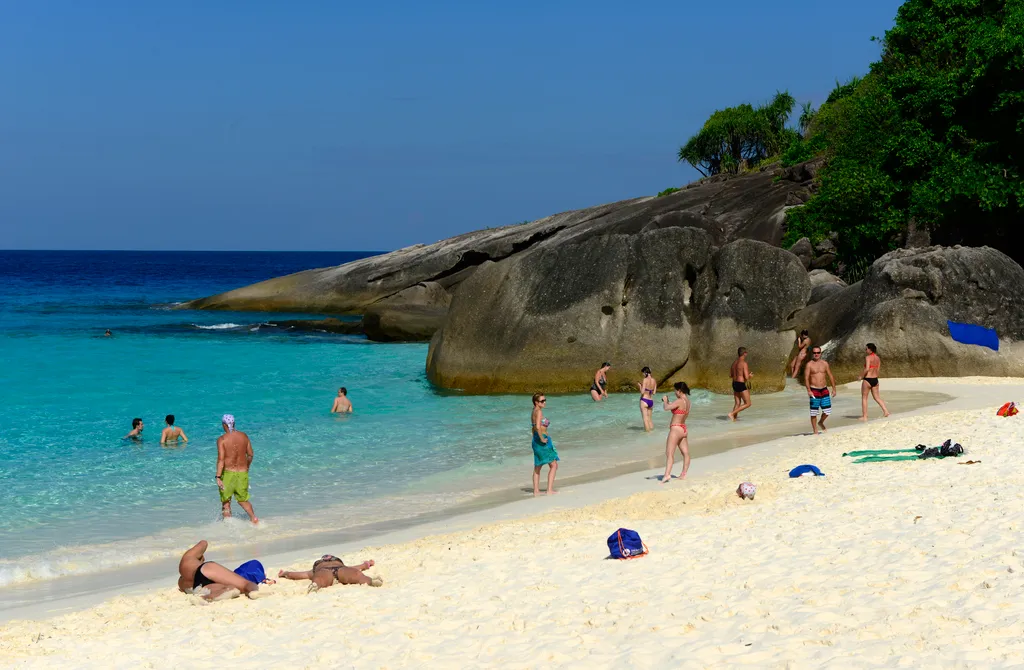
677,439
648,387
803,341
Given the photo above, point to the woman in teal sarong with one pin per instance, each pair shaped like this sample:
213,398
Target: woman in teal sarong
543,446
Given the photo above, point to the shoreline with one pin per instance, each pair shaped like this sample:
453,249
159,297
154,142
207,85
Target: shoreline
877,565
73,592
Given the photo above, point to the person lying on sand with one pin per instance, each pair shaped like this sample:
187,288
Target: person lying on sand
211,581
329,569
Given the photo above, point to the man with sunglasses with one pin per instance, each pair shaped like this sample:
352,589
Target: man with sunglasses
815,374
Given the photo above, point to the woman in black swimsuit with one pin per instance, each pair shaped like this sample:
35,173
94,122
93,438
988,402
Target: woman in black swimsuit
328,570
598,387
869,381
210,580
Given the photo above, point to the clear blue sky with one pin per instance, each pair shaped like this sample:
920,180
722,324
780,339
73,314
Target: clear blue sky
359,126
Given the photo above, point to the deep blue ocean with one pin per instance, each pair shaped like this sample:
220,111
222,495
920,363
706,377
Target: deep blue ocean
76,498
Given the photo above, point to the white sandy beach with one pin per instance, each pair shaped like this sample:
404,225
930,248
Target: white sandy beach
904,564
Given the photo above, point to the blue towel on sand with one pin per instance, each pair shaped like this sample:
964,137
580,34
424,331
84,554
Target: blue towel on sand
968,333
252,570
801,470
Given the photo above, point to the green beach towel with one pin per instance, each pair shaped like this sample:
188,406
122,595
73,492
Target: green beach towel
918,453
884,459
881,452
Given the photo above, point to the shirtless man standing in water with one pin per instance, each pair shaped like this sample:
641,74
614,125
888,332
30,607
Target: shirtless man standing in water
740,374
234,456
815,374
342,404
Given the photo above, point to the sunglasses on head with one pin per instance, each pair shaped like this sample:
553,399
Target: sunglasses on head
816,353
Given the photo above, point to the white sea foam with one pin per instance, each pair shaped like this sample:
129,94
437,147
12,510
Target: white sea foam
219,326
65,561
166,307
228,537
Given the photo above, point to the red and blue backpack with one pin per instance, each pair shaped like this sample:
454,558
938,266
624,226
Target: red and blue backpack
625,543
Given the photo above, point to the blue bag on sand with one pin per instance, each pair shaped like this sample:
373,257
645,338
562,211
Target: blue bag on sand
252,570
968,333
802,470
625,543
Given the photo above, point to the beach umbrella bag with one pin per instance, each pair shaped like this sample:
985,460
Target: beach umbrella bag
624,544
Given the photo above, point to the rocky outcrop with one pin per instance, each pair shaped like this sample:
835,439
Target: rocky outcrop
804,250
383,323
726,207
815,257
329,325
903,304
546,319
757,288
823,284
411,315
425,295
824,255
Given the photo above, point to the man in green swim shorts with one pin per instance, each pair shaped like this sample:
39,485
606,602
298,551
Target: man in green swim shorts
234,456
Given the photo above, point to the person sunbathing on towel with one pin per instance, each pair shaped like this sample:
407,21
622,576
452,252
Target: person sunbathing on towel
209,580
328,570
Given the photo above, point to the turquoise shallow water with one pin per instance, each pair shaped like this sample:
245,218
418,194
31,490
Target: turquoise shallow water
76,497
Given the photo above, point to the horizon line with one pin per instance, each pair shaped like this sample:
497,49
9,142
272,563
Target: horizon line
216,251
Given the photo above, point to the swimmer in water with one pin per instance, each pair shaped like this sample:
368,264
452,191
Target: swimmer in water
543,446
677,435
648,387
599,387
136,433
341,403
172,433
108,333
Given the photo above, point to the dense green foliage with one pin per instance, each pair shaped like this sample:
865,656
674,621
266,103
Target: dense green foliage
741,135
668,191
932,136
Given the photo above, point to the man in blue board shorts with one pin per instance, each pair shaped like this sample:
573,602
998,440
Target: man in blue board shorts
815,375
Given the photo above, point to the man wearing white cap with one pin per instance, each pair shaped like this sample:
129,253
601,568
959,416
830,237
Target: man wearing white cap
234,455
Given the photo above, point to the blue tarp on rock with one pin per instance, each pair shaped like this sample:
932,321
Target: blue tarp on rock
968,333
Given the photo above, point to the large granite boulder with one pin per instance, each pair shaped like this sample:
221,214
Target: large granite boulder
545,320
903,304
756,289
726,207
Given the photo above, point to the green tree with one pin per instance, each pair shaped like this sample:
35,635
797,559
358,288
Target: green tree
807,113
933,134
737,135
